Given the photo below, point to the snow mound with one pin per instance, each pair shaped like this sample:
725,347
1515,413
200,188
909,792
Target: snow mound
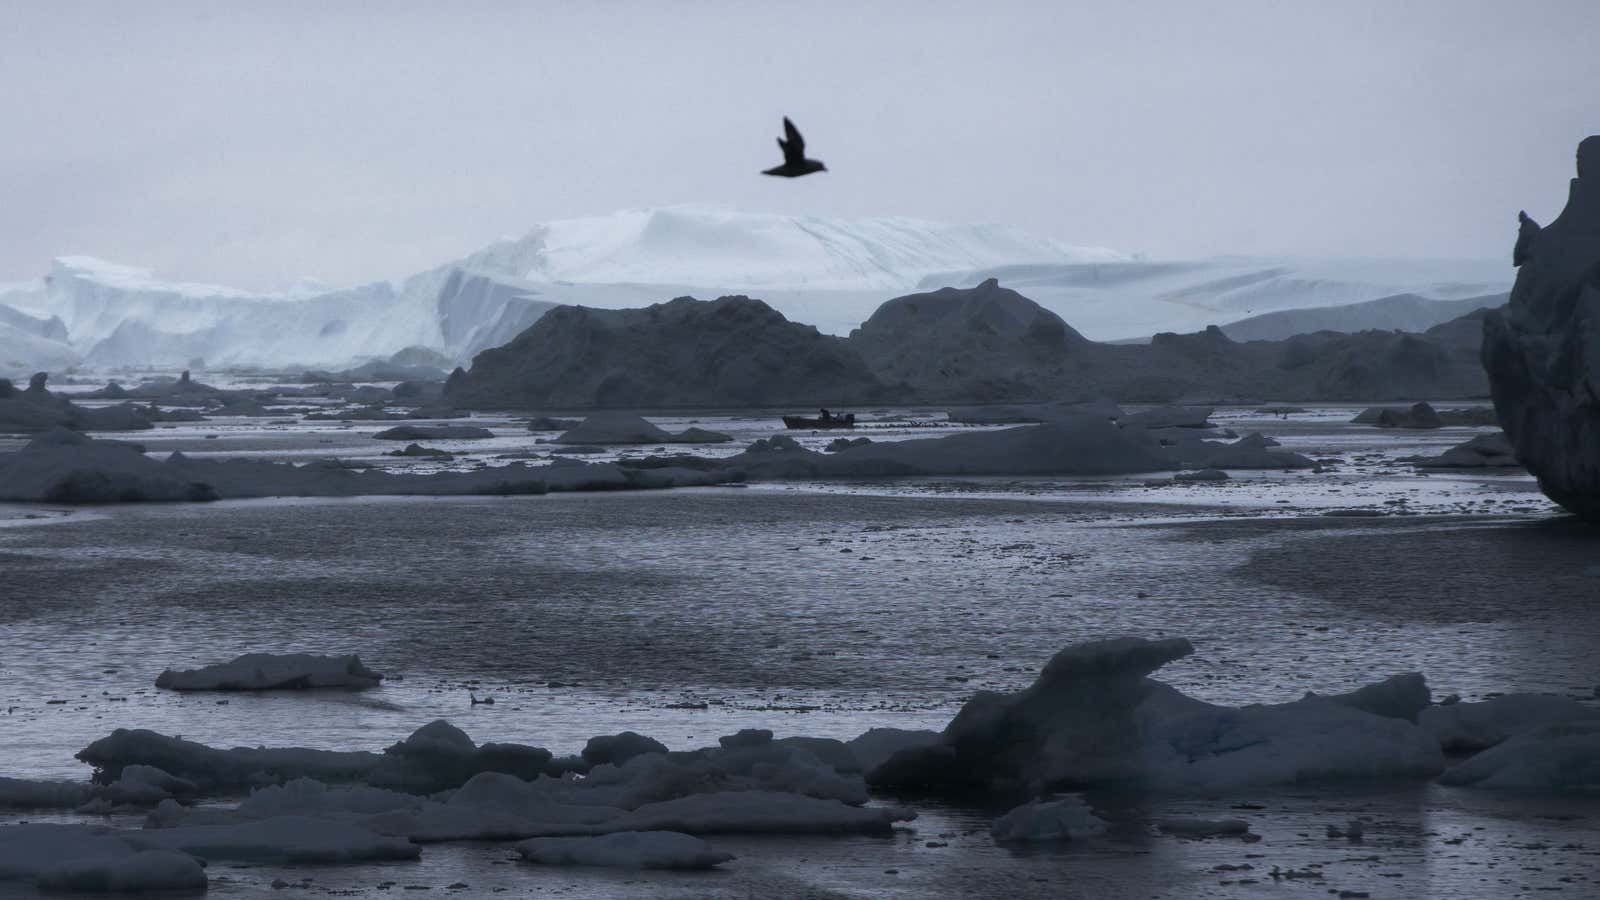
625,850
1066,819
272,671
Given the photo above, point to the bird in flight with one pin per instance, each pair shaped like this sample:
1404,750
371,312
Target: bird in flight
795,163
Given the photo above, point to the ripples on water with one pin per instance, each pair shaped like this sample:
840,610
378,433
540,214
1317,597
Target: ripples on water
825,609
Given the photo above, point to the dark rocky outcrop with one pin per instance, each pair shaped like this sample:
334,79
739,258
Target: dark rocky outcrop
979,345
434,433
734,352
36,409
983,343
1543,351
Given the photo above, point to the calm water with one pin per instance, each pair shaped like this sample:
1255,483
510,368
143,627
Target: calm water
824,610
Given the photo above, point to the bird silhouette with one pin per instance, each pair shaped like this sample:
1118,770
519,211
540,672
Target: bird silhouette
795,163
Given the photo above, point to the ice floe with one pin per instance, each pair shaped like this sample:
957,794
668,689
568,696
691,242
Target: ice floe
273,671
1064,819
1093,718
93,859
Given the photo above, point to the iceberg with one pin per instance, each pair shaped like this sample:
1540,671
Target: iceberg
268,671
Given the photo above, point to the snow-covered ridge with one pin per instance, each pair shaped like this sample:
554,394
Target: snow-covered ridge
118,315
827,272
716,247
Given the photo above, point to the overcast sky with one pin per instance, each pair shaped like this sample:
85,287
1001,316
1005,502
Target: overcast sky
253,144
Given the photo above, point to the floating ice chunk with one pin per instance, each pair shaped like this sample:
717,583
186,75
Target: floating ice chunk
92,858
436,757
625,849
211,767
1202,475
1471,727
615,428
874,748
1484,451
1399,696
696,435
802,773
1420,415
307,796
146,871
21,793
146,786
1066,819
619,748
285,839
434,433
271,671
746,737
1564,756
758,812
836,754
1183,826
1093,718
1194,747
628,428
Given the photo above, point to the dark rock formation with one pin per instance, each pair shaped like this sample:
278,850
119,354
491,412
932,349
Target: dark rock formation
979,344
1543,351
734,351
36,409
434,433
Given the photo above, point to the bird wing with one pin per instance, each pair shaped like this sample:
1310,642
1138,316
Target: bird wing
794,149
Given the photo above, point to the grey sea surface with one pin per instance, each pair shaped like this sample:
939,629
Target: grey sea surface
827,609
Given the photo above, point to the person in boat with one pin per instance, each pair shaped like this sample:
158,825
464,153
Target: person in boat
826,416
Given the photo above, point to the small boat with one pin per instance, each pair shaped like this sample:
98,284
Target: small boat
800,423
